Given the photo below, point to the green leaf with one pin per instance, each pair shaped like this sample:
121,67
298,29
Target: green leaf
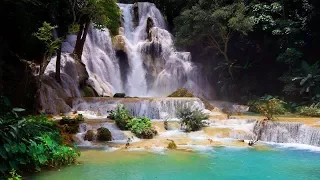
13,164
22,147
3,153
305,67
7,147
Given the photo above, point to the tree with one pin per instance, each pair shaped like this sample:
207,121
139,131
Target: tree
103,13
214,23
45,35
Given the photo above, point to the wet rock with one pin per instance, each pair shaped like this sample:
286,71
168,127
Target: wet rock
119,95
104,134
150,24
88,91
135,12
119,43
90,135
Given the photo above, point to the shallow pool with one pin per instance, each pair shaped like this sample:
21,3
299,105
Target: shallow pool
214,163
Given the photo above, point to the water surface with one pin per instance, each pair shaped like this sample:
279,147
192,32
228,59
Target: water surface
216,163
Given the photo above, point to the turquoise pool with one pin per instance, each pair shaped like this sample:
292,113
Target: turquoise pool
216,163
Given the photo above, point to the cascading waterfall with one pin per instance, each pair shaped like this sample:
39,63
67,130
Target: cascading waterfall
153,67
285,132
156,68
277,132
153,108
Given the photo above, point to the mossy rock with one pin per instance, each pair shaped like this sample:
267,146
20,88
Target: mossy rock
172,145
104,134
148,133
90,135
88,91
183,92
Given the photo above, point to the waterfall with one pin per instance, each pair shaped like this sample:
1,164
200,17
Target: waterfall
140,61
285,132
153,108
277,132
156,68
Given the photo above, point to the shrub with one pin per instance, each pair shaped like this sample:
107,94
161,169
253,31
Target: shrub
313,110
270,108
148,133
141,127
14,175
71,125
172,145
30,143
46,152
280,107
191,119
122,116
104,134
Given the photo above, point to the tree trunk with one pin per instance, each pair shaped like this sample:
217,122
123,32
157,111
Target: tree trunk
58,64
81,39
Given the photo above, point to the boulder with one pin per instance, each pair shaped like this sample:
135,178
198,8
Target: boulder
90,135
104,134
119,43
119,95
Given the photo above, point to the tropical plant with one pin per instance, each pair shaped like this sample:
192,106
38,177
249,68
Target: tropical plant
30,143
14,175
270,106
122,116
191,119
71,125
312,110
142,127
309,81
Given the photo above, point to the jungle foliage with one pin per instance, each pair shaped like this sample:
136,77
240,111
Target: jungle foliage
191,119
140,126
30,143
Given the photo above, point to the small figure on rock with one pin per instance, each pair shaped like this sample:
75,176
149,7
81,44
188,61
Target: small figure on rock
128,143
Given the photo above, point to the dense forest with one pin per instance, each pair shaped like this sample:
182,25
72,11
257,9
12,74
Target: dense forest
248,48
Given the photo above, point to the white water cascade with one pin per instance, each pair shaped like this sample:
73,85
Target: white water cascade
153,108
277,132
151,68
155,67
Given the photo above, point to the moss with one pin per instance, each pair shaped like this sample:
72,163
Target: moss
183,92
69,125
172,145
90,135
104,134
88,91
